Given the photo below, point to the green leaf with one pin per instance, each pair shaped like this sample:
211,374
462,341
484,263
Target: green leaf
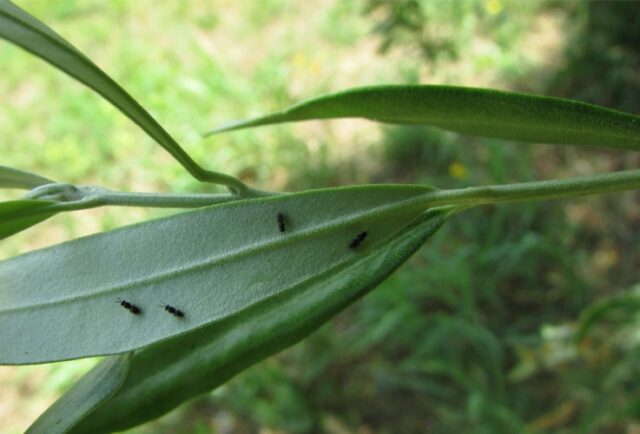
15,178
18,215
24,30
618,309
481,112
166,374
60,302
93,390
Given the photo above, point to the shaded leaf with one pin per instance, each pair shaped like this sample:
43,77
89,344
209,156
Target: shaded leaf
618,309
96,387
18,215
166,374
60,302
475,111
15,178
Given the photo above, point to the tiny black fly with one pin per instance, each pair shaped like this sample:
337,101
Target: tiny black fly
281,223
130,307
358,240
172,310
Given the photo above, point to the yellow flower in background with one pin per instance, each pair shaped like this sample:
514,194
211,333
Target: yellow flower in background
299,60
458,170
494,7
307,65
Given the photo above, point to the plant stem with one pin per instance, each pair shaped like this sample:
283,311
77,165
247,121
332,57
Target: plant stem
91,197
234,185
537,190
151,200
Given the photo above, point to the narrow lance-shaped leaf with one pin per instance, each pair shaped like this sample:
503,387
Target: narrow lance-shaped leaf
18,215
481,112
24,30
60,302
16,178
93,390
166,374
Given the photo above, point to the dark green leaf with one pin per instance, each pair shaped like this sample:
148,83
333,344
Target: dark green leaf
166,374
18,215
212,263
93,390
481,112
618,309
15,178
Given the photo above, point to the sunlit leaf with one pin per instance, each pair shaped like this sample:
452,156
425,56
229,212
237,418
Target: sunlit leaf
166,374
15,178
24,30
95,388
18,215
481,112
60,302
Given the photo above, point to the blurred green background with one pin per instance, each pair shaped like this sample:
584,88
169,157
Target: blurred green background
520,318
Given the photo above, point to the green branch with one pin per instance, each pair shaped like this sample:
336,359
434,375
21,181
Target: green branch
92,197
72,198
537,190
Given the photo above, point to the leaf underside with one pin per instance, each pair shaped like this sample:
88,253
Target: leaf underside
60,303
16,178
474,111
165,374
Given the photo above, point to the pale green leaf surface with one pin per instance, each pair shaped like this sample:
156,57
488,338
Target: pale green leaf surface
166,374
475,111
24,30
16,178
18,215
93,390
59,303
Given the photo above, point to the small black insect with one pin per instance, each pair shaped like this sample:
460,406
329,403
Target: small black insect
358,240
130,307
281,223
172,310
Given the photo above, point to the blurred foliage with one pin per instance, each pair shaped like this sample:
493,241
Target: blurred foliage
513,319
602,63
406,19
443,30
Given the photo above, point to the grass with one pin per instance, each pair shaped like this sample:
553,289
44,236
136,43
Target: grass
475,334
